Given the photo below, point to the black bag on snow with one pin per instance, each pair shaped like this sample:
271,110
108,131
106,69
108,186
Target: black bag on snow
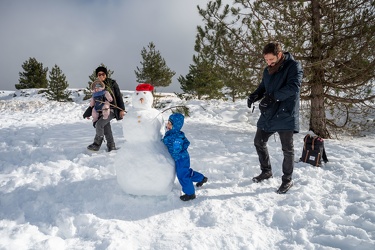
313,150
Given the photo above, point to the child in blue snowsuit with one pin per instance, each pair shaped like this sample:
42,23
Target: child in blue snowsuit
177,145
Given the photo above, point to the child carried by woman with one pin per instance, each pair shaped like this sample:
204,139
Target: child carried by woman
100,101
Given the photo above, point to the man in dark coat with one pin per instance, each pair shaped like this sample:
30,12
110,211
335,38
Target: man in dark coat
279,92
103,126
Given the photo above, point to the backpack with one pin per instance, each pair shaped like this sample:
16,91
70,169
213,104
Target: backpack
313,150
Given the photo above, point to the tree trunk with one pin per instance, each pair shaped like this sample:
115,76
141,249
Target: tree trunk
317,112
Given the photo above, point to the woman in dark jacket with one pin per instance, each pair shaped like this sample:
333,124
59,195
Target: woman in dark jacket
280,94
103,126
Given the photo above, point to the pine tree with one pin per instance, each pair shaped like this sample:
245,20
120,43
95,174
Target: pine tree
202,80
34,75
219,42
333,39
57,86
154,68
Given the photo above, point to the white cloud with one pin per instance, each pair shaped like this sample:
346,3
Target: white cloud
79,35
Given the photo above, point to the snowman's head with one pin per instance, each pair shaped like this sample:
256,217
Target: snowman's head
142,97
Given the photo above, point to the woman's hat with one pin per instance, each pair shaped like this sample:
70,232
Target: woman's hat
102,69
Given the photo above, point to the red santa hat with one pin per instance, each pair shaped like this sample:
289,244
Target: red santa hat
144,87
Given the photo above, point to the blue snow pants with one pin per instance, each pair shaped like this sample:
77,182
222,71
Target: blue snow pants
186,176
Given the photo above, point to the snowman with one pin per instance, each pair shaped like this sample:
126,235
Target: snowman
143,164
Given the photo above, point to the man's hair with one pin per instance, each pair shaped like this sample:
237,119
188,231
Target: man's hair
272,48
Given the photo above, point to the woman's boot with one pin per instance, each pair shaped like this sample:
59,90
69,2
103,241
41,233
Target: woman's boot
111,146
98,140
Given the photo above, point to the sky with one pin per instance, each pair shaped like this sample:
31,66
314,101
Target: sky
79,35
56,195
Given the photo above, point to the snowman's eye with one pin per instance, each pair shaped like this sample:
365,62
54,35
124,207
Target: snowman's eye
137,93
144,92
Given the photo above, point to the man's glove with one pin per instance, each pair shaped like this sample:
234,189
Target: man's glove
267,102
88,112
94,124
251,99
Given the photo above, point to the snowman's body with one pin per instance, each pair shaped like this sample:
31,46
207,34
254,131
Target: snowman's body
143,164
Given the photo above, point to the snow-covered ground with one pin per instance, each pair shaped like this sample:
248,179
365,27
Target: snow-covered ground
57,195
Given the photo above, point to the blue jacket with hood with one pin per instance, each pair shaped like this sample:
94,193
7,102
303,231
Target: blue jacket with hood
284,86
175,139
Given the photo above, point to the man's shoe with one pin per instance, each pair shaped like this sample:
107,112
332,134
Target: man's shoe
199,184
187,197
263,176
285,186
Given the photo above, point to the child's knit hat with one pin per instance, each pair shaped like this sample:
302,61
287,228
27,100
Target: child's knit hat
97,84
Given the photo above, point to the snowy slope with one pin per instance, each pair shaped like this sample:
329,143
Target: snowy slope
56,195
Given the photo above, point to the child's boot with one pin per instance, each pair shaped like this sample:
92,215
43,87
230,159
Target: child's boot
187,197
199,184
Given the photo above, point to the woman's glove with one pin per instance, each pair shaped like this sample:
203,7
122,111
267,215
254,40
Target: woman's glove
88,112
